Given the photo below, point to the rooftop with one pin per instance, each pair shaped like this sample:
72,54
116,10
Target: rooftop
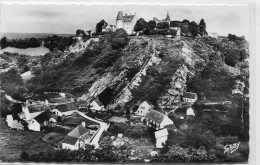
46,115
189,95
67,107
155,116
73,135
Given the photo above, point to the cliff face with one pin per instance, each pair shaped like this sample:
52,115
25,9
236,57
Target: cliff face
148,68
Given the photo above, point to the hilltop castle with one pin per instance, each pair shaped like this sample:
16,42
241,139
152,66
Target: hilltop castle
167,19
127,22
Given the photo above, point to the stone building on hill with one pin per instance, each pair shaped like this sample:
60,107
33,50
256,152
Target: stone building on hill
167,19
127,22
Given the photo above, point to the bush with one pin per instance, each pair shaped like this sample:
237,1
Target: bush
119,39
24,156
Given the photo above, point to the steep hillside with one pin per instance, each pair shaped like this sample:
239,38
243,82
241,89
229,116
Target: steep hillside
147,68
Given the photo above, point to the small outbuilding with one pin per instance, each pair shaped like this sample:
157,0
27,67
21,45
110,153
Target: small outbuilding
97,105
143,109
189,97
40,121
161,136
157,120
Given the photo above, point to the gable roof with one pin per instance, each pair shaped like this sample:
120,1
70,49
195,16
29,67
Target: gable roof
66,107
189,95
46,115
161,133
70,140
78,131
155,116
128,18
98,102
119,15
72,136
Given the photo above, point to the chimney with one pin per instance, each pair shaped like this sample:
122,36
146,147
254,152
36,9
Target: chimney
83,124
166,114
125,14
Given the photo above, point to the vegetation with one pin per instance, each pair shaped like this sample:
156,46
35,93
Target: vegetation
100,25
20,43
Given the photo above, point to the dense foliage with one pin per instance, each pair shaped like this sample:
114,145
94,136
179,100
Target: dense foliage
20,43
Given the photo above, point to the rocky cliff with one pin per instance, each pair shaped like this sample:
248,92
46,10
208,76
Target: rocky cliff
148,67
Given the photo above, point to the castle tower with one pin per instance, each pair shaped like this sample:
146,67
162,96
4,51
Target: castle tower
119,20
168,18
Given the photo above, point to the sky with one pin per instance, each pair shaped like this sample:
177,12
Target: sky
68,18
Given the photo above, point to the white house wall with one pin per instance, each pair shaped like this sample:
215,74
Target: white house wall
34,125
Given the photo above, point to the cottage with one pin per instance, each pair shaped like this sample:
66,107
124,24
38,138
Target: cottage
77,138
157,120
65,109
96,105
161,136
40,121
143,109
189,97
15,124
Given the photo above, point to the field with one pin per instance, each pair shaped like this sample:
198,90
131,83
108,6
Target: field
13,143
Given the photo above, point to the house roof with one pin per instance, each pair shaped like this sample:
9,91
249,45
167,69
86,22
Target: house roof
73,135
155,116
76,119
128,18
37,108
46,115
70,140
119,15
189,95
58,100
161,133
78,131
66,107
181,109
98,102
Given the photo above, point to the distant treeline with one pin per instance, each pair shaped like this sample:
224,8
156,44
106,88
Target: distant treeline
20,43
59,42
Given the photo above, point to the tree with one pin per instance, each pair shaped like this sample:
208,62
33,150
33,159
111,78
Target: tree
24,156
193,28
79,31
202,27
162,25
140,25
21,62
3,42
151,24
100,25
119,39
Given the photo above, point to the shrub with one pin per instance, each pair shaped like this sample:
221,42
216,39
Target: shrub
119,39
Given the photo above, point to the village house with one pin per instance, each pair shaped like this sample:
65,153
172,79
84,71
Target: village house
40,121
15,124
97,106
143,109
189,97
127,22
77,138
161,136
156,119
65,109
